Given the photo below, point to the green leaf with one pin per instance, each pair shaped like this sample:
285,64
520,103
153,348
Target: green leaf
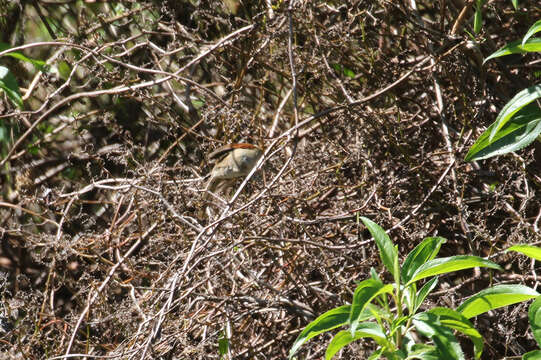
376,354
330,320
374,275
344,70
528,250
459,322
517,47
424,352
64,69
8,83
532,355
223,345
393,355
17,55
495,297
348,72
344,338
521,130
478,19
534,316
418,350
423,293
398,324
535,28
430,326
32,149
364,293
426,250
387,251
520,100
515,4
450,264
371,312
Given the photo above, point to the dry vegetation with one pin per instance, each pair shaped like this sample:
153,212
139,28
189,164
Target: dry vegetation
106,249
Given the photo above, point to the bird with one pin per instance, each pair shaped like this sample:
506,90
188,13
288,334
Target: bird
232,161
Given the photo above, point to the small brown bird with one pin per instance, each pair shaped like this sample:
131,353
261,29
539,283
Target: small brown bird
232,161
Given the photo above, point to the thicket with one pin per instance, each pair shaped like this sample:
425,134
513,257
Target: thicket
365,108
